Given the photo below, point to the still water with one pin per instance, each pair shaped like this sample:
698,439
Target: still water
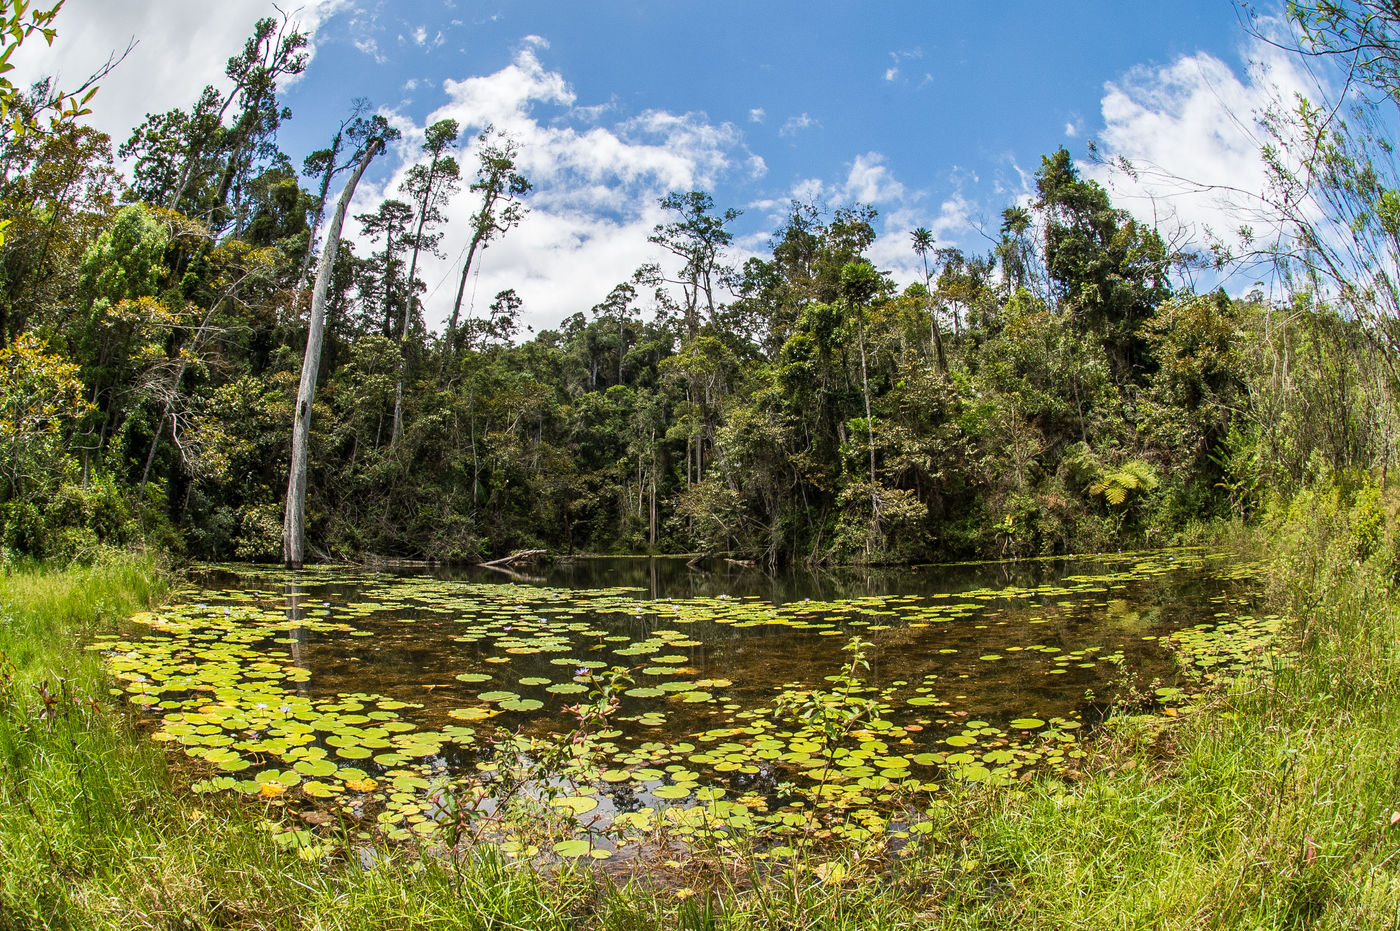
735,691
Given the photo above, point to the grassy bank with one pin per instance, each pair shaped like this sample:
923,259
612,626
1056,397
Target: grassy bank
1271,808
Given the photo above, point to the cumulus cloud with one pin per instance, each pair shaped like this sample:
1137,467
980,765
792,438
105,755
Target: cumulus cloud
757,115
182,46
869,181
1191,131
596,188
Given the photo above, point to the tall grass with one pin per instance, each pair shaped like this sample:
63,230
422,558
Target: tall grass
1270,808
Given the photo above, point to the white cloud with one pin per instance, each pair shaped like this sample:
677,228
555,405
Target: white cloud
1191,131
796,124
182,46
757,115
809,191
870,182
370,46
1071,130
596,188
899,57
954,224
420,38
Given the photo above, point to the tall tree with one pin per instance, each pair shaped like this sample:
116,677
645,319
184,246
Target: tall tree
860,283
275,49
501,187
429,186
294,516
1110,272
390,222
698,237
325,164
923,244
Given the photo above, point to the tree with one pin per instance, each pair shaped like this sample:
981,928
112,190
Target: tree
1109,271
325,164
41,396
501,188
860,283
616,310
923,243
19,20
429,185
294,521
1020,261
698,238
390,222
191,161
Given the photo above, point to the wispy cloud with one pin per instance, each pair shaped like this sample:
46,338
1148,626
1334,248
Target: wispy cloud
898,58
796,124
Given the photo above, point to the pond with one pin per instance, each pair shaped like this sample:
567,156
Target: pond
623,694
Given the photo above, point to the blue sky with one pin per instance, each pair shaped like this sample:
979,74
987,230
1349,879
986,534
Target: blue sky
937,113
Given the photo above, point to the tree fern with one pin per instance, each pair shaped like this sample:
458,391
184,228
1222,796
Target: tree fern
1117,484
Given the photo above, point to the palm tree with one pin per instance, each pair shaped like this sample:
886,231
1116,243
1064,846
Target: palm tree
923,244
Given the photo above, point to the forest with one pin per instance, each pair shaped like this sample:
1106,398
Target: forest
1066,391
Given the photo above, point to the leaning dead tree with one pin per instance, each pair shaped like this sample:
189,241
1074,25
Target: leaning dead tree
294,518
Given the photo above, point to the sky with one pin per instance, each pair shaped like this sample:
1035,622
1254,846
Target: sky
935,113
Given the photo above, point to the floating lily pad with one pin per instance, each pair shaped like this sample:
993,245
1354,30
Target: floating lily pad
671,792
577,804
572,849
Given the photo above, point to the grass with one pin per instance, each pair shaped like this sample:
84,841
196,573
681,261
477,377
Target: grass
1269,809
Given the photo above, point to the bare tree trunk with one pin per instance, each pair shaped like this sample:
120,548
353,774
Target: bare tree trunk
320,211
294,520
462,287
870,431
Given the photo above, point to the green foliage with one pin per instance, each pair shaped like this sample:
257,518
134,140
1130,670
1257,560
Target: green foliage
1117,485
1053,395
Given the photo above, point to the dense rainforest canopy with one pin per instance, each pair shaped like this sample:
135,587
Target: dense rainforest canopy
1065,391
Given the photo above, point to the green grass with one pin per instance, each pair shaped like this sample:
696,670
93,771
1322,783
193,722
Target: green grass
1268,809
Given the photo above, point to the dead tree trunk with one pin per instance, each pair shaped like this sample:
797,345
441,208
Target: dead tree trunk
294,519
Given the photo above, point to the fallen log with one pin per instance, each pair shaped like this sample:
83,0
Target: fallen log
518,556
513,575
